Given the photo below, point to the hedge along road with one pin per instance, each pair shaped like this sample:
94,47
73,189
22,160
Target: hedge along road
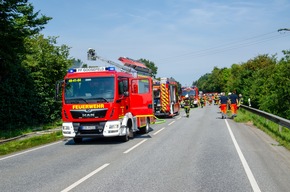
199,153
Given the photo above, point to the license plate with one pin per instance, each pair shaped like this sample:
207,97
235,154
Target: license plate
88,127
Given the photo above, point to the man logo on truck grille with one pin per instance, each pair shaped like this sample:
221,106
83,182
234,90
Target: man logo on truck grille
88,115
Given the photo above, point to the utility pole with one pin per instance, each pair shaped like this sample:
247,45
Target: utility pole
285,29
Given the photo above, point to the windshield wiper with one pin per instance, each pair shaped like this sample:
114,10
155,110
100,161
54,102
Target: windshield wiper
76,99
101,98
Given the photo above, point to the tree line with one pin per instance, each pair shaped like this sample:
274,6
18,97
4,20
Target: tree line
264,79
30,66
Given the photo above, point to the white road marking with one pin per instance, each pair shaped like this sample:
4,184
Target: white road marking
171,123
85,178
159,131
248,171
135,146
34,149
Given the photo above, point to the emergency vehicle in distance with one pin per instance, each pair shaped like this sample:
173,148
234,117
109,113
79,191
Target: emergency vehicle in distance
192,93
102,101
166,102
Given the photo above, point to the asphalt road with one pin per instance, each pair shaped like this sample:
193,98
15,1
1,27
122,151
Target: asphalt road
199,153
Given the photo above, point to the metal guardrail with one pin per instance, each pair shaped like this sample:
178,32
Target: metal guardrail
279,120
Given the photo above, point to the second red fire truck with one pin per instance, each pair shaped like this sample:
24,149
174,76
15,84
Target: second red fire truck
166,102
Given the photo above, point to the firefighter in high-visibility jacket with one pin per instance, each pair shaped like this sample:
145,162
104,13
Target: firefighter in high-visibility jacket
187,105
202,101
216,99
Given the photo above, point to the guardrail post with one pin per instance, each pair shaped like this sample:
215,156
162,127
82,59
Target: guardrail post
280,128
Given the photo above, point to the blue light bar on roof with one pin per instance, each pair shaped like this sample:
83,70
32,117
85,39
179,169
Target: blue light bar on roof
91,69
71,70
110,69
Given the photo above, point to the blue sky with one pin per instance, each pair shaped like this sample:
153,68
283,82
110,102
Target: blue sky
184,38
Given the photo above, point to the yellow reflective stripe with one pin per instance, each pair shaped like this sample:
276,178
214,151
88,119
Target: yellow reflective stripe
144,115
164,97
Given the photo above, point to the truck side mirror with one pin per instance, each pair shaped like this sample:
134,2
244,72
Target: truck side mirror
126,93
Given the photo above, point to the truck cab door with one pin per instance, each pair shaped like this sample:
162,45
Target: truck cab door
123,99
141,96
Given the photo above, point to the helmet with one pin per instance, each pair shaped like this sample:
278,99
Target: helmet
229,93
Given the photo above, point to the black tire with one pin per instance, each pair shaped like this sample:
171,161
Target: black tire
126,137
78,140
146,129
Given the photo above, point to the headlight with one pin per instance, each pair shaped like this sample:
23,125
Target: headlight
65,127
113,126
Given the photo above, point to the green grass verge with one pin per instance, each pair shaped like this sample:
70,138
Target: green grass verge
14,132
18,145
269,127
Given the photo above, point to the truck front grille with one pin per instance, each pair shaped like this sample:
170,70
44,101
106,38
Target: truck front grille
92,113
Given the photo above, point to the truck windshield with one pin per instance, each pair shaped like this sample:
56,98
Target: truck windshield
89,90
189,92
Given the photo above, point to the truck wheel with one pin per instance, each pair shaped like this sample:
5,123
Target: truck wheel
78,140
145,129
125,138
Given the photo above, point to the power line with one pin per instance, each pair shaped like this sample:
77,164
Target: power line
228,46
237,46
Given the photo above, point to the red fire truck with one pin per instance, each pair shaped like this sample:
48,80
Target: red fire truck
166,101
102,101
192,93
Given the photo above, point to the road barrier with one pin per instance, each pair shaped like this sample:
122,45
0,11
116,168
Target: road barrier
279,120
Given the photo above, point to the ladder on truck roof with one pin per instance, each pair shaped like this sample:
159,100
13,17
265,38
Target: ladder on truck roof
129,68
137,65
